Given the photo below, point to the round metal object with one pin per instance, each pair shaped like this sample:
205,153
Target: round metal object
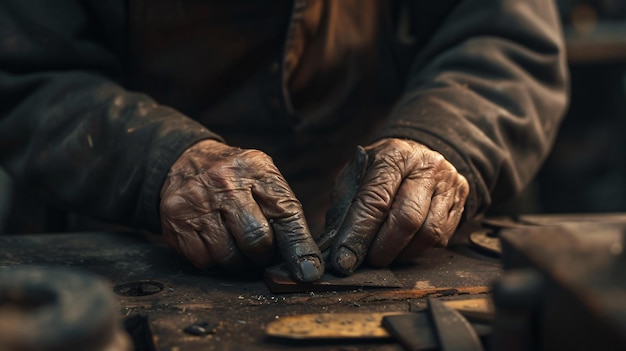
58,309
486,241
140,288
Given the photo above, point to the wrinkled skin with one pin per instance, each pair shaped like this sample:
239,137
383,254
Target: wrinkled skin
231,207
410,198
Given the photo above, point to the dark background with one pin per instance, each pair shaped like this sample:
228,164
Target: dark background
586,171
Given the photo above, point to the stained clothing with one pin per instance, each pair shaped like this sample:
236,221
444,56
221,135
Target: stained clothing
99,98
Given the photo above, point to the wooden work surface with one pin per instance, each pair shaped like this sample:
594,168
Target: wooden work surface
241,305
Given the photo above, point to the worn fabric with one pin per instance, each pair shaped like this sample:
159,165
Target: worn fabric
99,98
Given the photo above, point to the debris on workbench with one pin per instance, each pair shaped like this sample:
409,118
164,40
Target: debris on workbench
201,328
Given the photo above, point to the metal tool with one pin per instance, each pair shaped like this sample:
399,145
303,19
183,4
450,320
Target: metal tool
453,330
278,280
416,328
440,327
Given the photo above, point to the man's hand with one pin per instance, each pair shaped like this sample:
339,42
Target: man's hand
225,206
408,200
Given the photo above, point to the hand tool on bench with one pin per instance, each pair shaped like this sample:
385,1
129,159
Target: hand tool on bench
443,326
416,331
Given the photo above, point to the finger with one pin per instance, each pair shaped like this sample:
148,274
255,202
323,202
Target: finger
180,232
344,190
293,238
220,242
406,217
367,212
187,242
443,217
246,222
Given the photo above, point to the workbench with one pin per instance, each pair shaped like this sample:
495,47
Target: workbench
157,287
154,282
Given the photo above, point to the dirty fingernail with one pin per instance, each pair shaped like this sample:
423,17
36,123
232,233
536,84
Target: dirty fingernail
310,269
346,260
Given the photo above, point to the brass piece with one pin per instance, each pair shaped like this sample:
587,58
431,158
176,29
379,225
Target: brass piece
330,326
485,240
356,325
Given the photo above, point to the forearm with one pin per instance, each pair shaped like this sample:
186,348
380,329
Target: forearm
68,129
488,92
92,147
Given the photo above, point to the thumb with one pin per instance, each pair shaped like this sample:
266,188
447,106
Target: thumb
346,186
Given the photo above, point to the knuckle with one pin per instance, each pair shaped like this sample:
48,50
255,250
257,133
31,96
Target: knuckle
248,164
394,160
462,192
396,144
426,159
174,206
392,153
292,225
441,231
374,201
291,209
296,245
196,255
186,200
434,232
393,150
408,219
258,158
171,201
223,250
257,237
432,161
463,183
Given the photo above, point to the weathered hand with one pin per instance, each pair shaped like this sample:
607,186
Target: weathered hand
408,200
225,206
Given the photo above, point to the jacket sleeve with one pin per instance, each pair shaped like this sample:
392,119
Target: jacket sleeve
68,129
488,91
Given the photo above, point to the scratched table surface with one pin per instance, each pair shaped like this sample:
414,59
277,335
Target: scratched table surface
153,282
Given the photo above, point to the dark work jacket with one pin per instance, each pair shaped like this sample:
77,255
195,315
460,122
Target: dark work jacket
99,98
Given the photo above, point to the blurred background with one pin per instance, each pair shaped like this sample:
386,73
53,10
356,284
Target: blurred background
586,171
